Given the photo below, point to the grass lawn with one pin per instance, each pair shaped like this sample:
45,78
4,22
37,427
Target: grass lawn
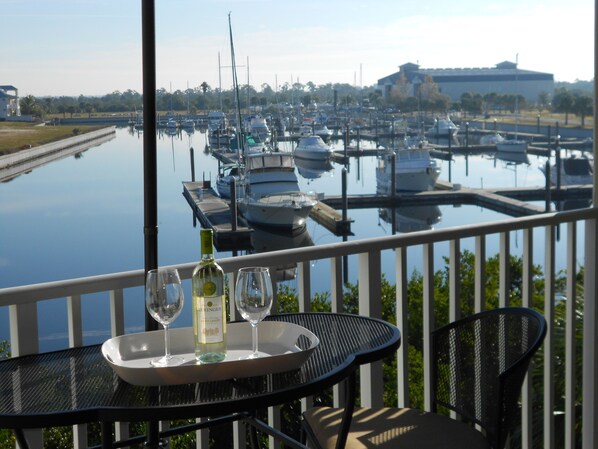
18,136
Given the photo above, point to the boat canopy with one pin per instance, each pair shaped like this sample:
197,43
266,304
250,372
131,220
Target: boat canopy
261,161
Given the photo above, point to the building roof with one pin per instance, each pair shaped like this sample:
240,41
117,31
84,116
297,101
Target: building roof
504,71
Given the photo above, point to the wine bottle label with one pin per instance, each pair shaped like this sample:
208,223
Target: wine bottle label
209,288
209,319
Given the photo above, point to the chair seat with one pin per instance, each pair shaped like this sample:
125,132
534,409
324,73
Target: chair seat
383,428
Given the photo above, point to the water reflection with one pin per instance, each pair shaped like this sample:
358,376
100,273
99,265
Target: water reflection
313,169
411,218
267,239
406,218
512,158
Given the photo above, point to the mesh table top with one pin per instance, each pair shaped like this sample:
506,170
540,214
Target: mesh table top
77,385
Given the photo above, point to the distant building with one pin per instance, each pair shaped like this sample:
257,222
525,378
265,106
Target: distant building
504,78
9,102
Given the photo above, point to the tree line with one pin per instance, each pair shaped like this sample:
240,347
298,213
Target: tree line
567,98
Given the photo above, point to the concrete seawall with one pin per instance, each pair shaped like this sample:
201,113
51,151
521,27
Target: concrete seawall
12,165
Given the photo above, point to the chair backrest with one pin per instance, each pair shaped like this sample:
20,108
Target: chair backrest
479,364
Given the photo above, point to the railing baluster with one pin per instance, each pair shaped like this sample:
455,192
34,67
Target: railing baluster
480,273
454,280
549,297
402,320
304,297
570,353
304,286
526,301
454,290
590,336
24,333
336,284
428,320
117,313
370,304
504,287
336,302
75,326
75,331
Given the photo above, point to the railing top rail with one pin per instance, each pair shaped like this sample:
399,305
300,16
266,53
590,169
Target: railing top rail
121,280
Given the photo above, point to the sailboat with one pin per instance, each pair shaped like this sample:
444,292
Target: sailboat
271,194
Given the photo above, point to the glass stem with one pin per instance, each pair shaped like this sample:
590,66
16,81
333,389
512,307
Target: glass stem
254,338
166,342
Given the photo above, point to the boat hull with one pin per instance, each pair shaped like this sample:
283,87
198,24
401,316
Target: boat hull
512,146
312,148
289,211
224,186
414,171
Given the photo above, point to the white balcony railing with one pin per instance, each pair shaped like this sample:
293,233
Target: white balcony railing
22,302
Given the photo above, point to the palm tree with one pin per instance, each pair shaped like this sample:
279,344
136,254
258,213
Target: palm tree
563,102
29,105
582,106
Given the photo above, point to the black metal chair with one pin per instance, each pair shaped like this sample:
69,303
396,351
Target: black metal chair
478,367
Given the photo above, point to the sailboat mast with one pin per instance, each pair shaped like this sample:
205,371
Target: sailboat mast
241,140
219,82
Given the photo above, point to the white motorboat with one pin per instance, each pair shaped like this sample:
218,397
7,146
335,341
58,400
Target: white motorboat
217,120
228,174
415,142
414,170
313,148
512,146
491,139
305,130
188,124
249,145
171,125
219,137
272,196
259,129
443,127
575,170
322,131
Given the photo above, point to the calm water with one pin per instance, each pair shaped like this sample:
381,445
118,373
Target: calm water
83,216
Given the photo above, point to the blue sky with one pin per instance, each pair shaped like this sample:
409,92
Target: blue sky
93,47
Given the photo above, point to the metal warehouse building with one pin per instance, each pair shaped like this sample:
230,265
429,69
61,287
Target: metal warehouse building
504,78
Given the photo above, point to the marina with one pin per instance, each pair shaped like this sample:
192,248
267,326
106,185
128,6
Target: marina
333,212
93,200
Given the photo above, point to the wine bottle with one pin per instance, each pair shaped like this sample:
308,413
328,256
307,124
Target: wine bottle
209,305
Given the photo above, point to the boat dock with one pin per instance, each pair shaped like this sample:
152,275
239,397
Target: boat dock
510,201
215,213
331,219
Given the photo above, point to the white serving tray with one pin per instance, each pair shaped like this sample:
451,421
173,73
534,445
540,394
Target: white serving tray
279,348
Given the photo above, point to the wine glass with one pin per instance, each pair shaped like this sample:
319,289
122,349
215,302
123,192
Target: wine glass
253,297
164,300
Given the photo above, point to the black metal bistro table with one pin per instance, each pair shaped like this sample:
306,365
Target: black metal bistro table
76,386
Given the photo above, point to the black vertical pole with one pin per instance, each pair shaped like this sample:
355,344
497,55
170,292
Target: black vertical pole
192,157
344,194
150,164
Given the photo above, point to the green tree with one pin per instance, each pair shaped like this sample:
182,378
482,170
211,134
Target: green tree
563,102
543,100
30,106
583,105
